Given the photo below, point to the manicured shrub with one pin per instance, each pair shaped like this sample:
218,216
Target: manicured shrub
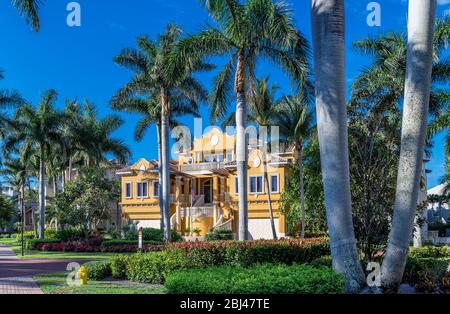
152,234
86,246
152,267
425,269
70,234
430,252
219,235
129,242
261,279
322,261
119,264
36,244
98,270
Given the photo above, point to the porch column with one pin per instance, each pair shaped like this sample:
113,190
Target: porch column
216,197
177,199
187,197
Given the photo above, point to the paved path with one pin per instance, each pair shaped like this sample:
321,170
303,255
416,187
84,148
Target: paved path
16,274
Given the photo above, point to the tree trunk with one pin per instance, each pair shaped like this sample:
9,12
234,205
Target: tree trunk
299,147
69,176
269,198
161,211
241,148
33,220
63,181
41,194
329,59
165,163
22,210
414,129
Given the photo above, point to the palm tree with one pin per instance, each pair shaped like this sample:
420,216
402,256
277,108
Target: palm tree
29,9
247,32
168,80
97,141
329,60
294,119
8,99
35,131
414,129
150,110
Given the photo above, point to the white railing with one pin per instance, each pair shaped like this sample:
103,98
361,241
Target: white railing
227,225
198,212
203,166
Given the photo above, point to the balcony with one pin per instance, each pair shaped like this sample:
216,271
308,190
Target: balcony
197,212
204,166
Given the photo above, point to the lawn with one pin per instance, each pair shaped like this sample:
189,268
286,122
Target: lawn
56,284
14,244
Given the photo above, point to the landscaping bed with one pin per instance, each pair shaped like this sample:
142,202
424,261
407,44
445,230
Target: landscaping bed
261,279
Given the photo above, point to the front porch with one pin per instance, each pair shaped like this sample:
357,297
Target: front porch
206,205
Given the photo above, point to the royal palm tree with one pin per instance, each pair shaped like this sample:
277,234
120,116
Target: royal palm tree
167,79
295,120
35,132
246,32
414,129
329,60
97,141
8,99
29,9
150,111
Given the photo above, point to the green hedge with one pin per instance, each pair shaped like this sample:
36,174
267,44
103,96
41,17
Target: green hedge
119,264
217,235
153,267
152,234
98,270
31,244
262,279
129,242
430,252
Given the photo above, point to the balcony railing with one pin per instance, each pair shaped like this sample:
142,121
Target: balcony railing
197,212
204,166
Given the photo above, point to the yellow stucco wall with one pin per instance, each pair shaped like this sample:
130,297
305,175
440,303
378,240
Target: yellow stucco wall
148,208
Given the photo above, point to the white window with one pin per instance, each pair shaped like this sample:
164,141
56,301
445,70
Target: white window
274,183
230,156
236,187
142,189
256,185
128,192
155,187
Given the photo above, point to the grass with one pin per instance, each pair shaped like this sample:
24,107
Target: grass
56,284
15,246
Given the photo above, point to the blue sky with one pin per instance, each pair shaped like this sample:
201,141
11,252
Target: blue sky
77,62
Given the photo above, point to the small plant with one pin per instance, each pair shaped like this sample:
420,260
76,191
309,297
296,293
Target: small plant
196,231
218,235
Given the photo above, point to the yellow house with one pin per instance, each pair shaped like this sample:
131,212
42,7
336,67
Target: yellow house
204,192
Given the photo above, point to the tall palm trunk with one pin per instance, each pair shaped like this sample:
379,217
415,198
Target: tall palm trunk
165,163
414,129
33,218
22,211
329,56
241,147
41,194
160,171
269,197
69,176
299,148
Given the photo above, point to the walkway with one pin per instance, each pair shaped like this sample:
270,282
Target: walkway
16,274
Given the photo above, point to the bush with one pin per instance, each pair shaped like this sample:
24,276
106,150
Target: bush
262,279
217,235
87,246
322,261
129,242
152,234
71,234
119,264
35,244
98,270
430,252
425,270
152,267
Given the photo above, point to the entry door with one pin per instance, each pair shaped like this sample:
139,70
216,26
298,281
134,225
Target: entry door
207,190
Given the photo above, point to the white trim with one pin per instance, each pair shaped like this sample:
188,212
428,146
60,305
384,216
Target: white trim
131,190
257,192
278,183
153,189
137,190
